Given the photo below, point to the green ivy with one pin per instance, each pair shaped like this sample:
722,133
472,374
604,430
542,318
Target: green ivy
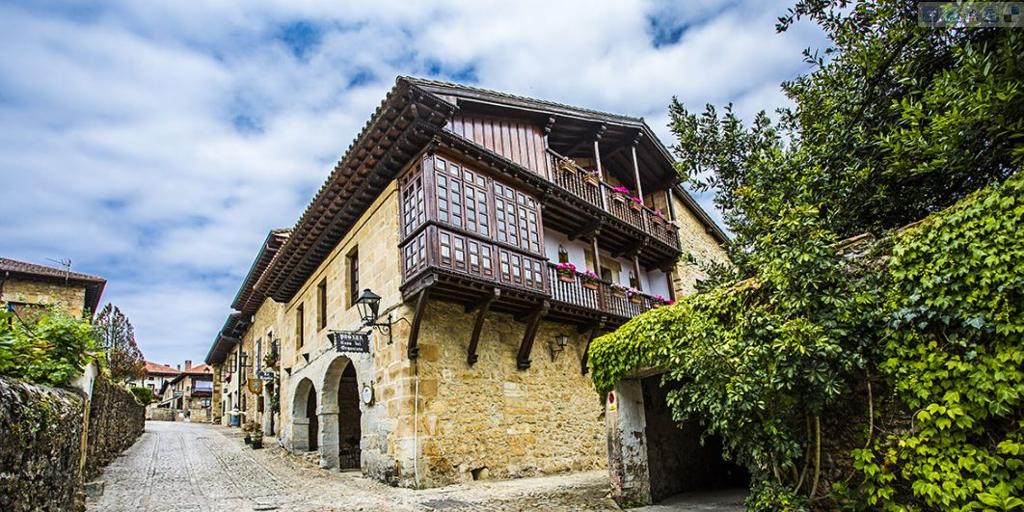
933,312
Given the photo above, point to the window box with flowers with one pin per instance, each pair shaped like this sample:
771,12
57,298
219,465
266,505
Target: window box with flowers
566,272
568,166
662,301
590,280
659,217
634,296
621,194
618,291
591,177
636,203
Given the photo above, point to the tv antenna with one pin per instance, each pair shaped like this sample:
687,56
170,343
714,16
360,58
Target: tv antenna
66,263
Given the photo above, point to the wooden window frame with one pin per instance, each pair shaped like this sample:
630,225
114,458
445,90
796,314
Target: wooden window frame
352,271
321,304
300,329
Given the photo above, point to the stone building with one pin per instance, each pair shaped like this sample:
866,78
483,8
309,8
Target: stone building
156,375
431,308
30,289
190,392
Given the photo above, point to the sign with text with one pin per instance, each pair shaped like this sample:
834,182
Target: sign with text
350,341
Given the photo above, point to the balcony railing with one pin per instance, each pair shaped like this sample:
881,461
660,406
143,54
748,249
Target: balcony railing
600,296
585,185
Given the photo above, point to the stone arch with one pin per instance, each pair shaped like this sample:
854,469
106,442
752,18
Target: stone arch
305,424
340,416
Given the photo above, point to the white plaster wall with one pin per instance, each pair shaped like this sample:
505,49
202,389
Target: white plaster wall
575,248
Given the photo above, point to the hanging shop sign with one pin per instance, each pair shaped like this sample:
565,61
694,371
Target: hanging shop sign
350,341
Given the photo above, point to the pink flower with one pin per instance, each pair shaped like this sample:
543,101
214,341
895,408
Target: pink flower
566,267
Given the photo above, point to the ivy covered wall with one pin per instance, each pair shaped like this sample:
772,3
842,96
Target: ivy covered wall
886,377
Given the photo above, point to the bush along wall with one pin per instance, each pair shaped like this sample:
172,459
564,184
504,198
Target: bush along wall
891,379
41,447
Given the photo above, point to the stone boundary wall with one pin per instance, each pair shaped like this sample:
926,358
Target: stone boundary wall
116,420
157,414
42,432
41,447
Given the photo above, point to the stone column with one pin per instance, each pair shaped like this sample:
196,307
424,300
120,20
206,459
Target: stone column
300,434
329,437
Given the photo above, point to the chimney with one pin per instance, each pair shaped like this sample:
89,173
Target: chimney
188,364
177,366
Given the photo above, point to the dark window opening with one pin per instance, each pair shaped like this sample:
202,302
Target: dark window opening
299,319
321,310
353,276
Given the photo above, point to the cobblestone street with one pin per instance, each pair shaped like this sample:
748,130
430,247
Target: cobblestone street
191,467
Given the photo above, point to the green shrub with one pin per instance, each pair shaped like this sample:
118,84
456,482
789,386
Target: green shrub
52,351
143,395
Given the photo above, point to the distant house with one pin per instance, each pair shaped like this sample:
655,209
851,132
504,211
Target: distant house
190,392
28,288
156,375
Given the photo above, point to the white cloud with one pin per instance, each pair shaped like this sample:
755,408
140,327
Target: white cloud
118,144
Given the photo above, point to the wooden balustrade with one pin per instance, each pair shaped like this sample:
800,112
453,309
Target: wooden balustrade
574,179
604,298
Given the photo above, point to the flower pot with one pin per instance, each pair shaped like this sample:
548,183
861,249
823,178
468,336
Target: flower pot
635,299
636,206
619,198
658,221
257,444
618,294
590,285
247,439
566,277
591,179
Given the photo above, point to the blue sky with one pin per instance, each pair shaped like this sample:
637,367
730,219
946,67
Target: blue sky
155,145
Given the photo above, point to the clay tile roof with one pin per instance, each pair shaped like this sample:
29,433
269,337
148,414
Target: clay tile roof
93,284
200,370
160,369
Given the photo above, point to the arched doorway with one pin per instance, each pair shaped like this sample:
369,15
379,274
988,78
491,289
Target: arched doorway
314,422
349,416
341,417
304,417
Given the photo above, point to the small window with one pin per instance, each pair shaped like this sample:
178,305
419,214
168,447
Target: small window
300,317
258,363
321,299
353,276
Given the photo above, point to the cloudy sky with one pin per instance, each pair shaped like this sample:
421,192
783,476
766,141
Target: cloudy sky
155,145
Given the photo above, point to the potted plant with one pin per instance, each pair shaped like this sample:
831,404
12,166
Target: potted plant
591,177
618,290
249,428
634,296
590,280
568,166
621,194
636,203
566,272
256,438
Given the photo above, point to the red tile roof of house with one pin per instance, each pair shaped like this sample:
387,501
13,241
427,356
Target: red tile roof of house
160,369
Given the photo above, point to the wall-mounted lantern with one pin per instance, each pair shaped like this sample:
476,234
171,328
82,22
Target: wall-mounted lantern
369,309
558,345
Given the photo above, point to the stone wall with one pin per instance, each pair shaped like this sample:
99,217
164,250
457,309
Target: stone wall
116,420
161,414
513,423
41,447
66,297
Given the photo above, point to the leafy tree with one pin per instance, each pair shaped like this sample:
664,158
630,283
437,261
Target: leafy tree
143,395
792,363
124,358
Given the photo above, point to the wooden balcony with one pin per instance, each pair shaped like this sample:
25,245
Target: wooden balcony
585,186
574,299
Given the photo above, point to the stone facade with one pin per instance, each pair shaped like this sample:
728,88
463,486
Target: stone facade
69,298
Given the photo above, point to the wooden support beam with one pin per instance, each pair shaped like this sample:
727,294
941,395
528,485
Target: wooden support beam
478,326
417,319
636,268
594,330
532,326
636,167
588,231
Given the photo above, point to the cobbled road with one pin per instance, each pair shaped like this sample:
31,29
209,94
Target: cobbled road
190,467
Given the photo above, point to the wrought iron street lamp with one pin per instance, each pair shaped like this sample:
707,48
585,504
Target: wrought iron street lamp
558,345
368,304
